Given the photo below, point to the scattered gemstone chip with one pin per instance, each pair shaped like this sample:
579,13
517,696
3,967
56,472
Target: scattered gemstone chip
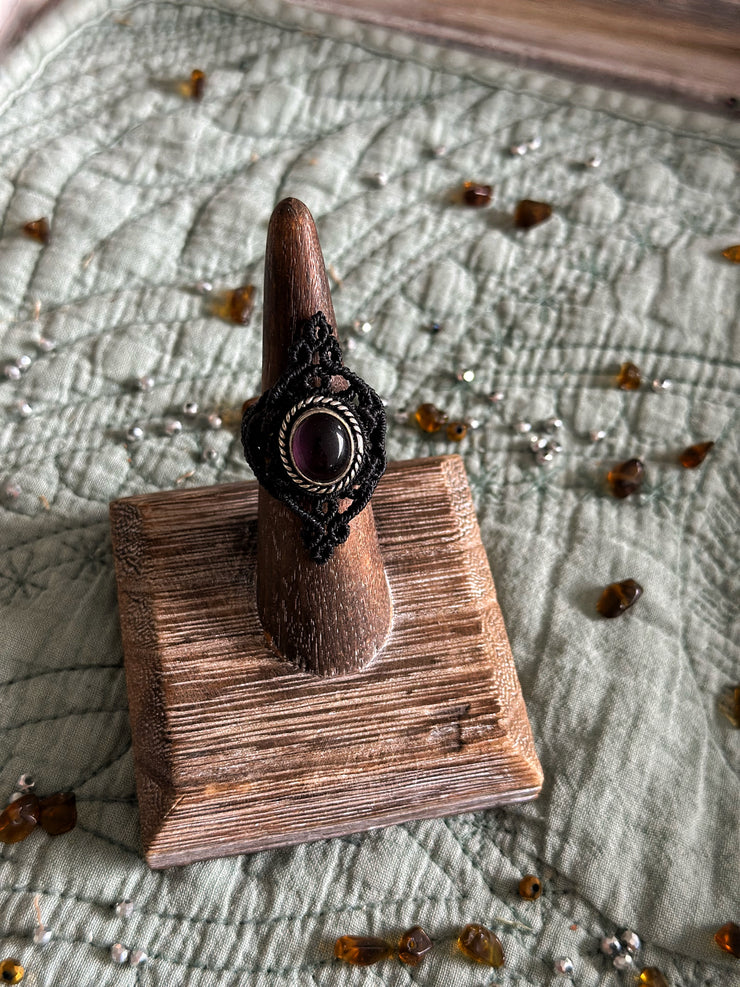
477,195
626,479
530,213
19,819
617,598
197,84
11,971
414,946
530,887
456,431
480,944
732,253
39,230
729,704
695,455
362,950
58,813
629,377
728,938
236,305
429,418
651,976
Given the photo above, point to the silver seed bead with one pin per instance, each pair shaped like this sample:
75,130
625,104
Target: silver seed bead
468,376
11,371
593,162
610,946
661,385
124,908
597,435
474,423
630,940
215,421
23,362
554,447
172,426
544,457
518,150
522,427
12,490
381,178
563,965
537,442
41,935
534,143
135,433
553,424
190,409
24,408
497,397
118,953
26,782
440,151
204,287
138,957
364,327
145,383
623,962
401,416
210,455
46,345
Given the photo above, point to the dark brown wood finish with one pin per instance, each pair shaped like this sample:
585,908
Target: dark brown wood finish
237,750
334,618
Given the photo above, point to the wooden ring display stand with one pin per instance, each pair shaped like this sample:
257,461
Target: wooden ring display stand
275,701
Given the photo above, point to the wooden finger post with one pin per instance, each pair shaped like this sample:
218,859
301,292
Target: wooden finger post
274,701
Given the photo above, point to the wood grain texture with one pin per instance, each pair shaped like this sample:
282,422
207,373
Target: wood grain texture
684,48
334,618
237,750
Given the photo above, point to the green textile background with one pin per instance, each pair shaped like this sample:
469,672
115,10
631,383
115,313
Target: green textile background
149,193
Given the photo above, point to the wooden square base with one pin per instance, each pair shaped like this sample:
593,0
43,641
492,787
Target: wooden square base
236,750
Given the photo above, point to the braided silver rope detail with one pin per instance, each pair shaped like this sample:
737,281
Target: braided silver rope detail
345,414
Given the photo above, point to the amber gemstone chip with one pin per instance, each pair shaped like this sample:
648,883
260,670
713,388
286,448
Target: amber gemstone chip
629,377
619,597
694,455
651,976
729,704
19,819
197,84
456,431
728,938
11,971
429,418
38,229
477,195
414,946
480,944
626,478
362,950
237,305
530,213
58,813
530,887
732,253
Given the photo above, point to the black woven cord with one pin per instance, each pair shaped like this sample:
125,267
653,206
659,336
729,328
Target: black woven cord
314,367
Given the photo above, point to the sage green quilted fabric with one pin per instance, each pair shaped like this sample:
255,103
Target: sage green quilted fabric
147,194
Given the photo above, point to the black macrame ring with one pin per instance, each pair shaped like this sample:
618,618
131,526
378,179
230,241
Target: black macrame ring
317,381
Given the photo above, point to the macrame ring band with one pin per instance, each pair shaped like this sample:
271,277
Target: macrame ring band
316,439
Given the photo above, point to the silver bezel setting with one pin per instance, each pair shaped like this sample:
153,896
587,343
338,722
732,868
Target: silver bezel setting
299,412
